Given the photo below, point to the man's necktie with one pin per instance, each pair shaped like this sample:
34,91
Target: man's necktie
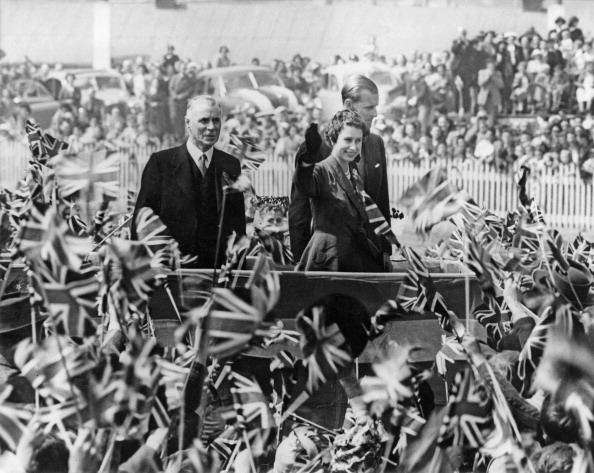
202,164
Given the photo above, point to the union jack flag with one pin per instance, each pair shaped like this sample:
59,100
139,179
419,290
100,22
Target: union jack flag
324,348
223,447
468,419
417,293
247,151
533,350
93,172
13,420
237,247
251,405
42,145
282,380
232,324
44,239
51,365
151,230
136,282
493,314
71,298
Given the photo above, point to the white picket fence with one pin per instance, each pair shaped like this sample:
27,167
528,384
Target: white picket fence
564,198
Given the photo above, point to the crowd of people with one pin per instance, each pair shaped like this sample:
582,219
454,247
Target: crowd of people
458,103
90,385
113,358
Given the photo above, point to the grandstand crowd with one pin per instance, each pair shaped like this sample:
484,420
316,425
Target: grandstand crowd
468,101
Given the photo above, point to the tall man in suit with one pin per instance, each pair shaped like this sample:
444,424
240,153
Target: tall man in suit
184,186
359,93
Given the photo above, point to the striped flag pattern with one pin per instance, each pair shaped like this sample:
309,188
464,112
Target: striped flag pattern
13,420
378,222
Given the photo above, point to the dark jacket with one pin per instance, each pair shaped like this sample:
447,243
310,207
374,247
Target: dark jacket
167,188
342,236
374,172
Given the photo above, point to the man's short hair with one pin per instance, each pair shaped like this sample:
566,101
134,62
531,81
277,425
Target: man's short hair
356,84
209,99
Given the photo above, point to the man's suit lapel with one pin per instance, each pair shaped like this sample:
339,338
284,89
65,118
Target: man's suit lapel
182,171
347,186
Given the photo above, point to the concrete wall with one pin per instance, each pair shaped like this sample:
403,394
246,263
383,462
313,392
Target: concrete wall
61,30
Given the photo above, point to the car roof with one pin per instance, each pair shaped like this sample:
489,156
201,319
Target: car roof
221,70
356,68
84,72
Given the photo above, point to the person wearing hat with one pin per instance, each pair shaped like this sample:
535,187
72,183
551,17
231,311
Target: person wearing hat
170,58
559,25
360,94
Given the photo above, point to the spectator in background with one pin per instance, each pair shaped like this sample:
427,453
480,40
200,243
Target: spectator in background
575,32
419,98
585,89
156,99
491,85
181,88
92,107
70,93
222,59
170,58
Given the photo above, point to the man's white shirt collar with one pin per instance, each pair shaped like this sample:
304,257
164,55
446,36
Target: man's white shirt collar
195,153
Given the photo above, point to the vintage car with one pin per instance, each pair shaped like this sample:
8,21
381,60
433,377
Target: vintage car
32,93
335,76
108,85
257,86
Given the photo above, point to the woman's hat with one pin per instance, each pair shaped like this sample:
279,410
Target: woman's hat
574,285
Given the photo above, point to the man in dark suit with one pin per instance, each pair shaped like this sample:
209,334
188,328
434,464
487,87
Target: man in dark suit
360,94
184,186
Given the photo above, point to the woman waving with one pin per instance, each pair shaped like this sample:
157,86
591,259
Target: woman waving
342,239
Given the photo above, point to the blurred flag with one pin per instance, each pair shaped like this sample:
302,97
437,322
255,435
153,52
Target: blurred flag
433,199
325,351
232,324
468,419
253,411
247,151
42,145
91,172
71,298
13,420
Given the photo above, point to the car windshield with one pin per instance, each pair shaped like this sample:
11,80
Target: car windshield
264,78
108,82
238,80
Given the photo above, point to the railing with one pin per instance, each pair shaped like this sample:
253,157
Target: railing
564,198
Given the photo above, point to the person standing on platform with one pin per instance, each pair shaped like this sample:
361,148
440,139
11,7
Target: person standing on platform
360,94
343,239
184,186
